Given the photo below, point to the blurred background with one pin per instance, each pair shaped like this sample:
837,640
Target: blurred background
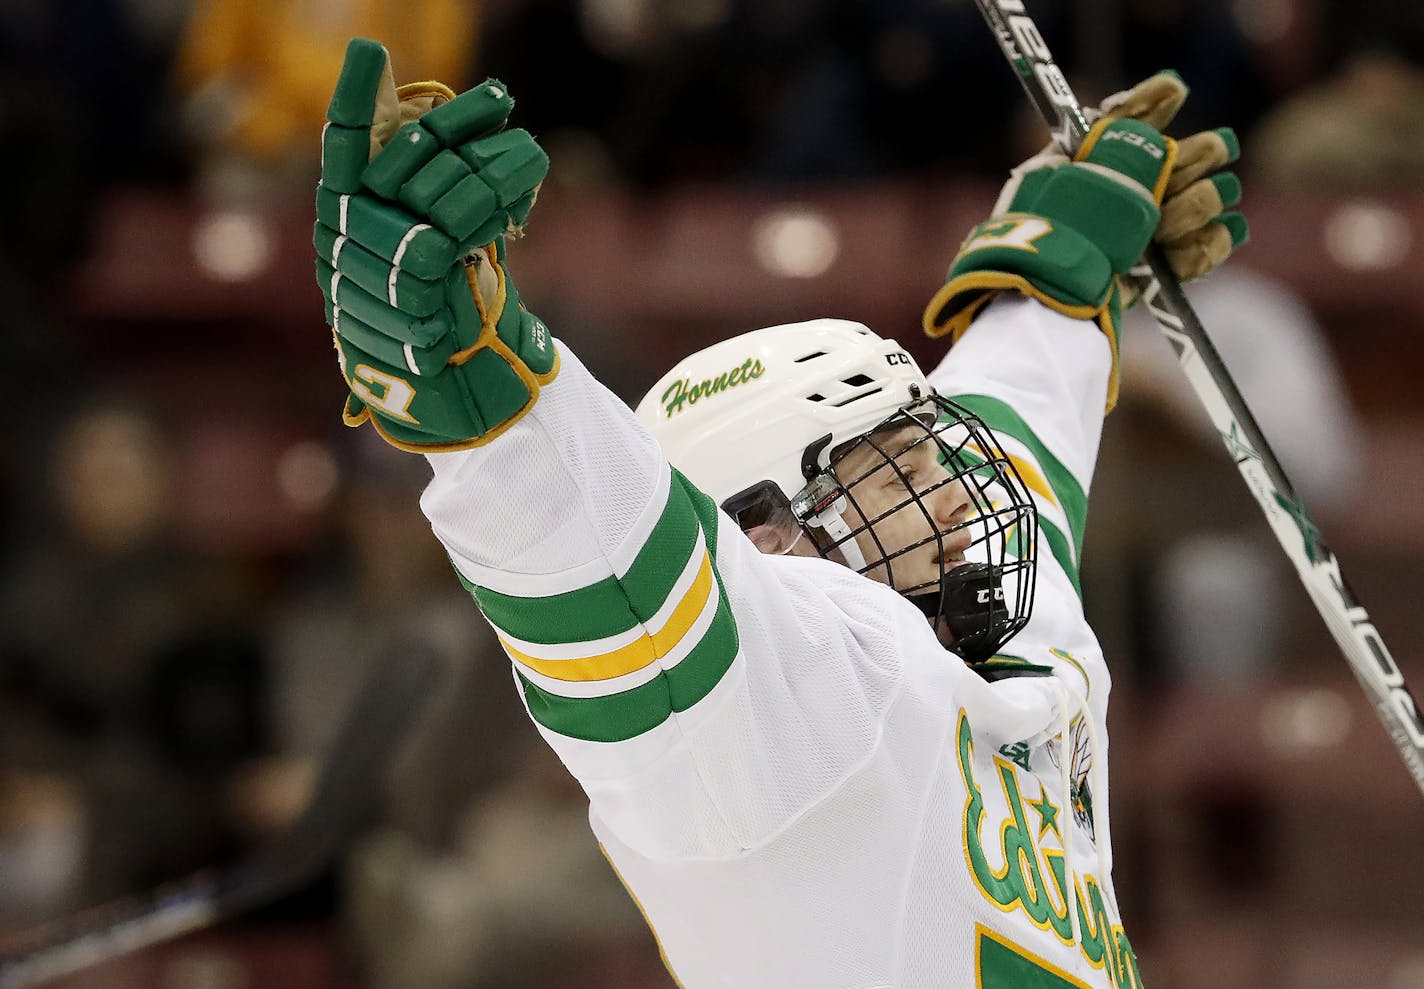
198,564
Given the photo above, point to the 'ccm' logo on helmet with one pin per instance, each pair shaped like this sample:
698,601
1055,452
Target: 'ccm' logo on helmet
899,357
685,392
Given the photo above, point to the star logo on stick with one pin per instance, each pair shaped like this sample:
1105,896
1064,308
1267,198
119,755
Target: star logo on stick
1237,446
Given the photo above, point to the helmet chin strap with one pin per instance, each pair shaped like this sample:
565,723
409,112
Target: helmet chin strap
834,525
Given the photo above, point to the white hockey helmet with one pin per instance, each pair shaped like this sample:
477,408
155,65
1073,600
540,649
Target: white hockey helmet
768,424
744,411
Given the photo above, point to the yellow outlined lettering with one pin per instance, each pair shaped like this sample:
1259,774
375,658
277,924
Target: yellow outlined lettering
1013,231
395,394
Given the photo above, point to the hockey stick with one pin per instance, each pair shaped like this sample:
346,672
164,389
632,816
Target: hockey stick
1319,570
346,792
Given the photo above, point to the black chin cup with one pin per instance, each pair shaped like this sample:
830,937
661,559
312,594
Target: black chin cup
970,603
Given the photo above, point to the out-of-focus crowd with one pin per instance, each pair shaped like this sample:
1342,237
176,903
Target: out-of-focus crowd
187,604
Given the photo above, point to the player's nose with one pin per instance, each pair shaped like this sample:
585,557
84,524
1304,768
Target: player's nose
951,505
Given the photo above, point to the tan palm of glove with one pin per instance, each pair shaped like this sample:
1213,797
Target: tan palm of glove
1155,101
1198,230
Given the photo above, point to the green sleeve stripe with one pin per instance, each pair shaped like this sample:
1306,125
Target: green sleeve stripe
613,718
629,713
704,507
703,668
664,556
464,582
594,612
1058,546
1001,418
610,606
994,671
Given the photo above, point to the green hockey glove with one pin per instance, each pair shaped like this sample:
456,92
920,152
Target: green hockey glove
1193,224
419,190
1197,233
1063,231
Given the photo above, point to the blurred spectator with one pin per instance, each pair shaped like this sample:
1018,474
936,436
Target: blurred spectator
257,76
669,92
42,863
131,676
522,899
1201,39
1223,562
877,88
482,870
1361,127
385,582
81,109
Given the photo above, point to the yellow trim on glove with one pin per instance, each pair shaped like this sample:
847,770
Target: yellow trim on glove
991,284
489,322
415,90
1090,140
1114,373
489,318
993,281
489,315
354,418
956,324
1160,189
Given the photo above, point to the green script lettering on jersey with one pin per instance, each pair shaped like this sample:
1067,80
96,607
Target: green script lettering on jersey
1032,879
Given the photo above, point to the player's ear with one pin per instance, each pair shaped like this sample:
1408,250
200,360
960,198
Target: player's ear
773,540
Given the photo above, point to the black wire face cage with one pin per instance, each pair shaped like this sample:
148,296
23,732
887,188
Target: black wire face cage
950,519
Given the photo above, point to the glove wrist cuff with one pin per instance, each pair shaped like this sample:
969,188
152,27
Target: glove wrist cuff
1028,253
1031,255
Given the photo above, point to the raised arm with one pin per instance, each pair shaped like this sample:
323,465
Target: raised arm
1062,234
1034,302
703,694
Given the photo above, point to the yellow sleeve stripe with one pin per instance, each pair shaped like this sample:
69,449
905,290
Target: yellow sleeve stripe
639,653
1030,474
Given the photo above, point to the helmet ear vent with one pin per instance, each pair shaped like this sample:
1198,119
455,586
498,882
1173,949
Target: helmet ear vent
809,357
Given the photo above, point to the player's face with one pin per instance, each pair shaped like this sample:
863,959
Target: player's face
905,528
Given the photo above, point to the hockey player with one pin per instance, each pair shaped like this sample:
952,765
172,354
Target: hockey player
807,628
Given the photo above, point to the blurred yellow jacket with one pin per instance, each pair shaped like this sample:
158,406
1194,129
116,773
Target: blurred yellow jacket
269,65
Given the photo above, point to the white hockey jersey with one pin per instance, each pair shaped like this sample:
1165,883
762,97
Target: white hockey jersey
798,784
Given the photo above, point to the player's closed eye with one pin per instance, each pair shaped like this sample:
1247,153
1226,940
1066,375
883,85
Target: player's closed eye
904,477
